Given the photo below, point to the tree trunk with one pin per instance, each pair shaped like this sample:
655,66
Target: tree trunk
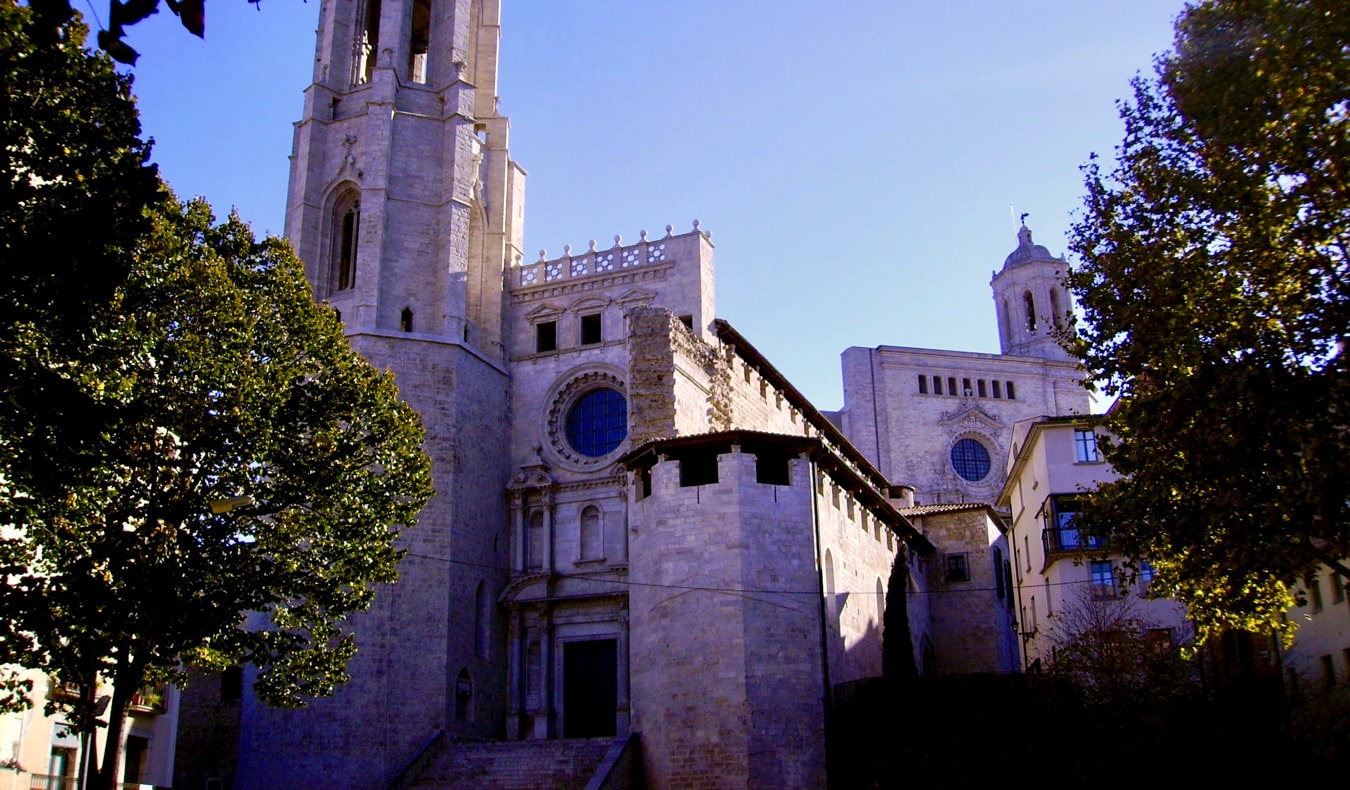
124,685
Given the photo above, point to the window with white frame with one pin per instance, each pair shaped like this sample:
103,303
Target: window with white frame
1103,580
1085,446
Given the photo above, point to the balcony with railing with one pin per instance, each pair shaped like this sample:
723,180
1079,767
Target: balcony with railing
1069,540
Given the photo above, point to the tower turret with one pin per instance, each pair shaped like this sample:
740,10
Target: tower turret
1031,300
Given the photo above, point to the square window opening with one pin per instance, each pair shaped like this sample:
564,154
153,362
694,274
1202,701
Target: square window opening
590,330
546,336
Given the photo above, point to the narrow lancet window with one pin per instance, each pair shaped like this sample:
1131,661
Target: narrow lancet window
367,44
418,41
1030,305
346,237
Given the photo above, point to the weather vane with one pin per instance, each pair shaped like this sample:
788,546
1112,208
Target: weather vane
1025,214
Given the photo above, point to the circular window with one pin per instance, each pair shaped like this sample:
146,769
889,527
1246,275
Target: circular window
970,460
598,422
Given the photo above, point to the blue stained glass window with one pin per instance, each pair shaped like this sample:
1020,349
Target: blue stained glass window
598,422
970,460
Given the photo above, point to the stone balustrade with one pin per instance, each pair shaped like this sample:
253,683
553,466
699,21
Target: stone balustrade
594,261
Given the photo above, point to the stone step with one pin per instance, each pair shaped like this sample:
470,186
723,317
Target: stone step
564,764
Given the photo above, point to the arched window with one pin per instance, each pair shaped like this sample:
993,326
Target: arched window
830,609
346,237
1055,317
591,534
881,602
1005,318
1030,305
463,696
535,547
405,320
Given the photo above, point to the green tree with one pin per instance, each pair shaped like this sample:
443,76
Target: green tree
221,480
897,646
1214,289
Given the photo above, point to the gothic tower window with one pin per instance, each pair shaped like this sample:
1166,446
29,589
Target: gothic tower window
346,237
418,40
405,320
463,695
367,44
1030,306
1054,307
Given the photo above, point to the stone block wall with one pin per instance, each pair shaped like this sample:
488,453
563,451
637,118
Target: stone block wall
420,631
727,680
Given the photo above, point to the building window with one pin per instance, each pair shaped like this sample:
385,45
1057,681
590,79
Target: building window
1103,580
830,603
1146,574
998,573
1314,592
232,685
1085,446
983,393
591,534
970,459
1337,587
951,385
590,329
546,336
367,44
957,568
346,237
1064,533
463,695
1012,394
923,384
598,422
1158,642
937,385
418,40
995,386
965,388
405,320
1029,305
534,554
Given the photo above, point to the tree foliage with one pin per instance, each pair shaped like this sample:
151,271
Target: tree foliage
52,17
1214,284
897,646
185,437
1104,648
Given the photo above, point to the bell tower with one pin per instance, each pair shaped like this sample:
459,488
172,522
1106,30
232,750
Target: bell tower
406,209
404,202
1031,300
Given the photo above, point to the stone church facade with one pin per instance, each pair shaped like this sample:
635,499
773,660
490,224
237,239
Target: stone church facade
640,526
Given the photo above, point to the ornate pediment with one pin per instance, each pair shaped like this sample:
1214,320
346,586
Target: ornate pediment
972,416
544,312
535,475
636,296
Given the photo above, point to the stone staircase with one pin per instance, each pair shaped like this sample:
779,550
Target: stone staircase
513,765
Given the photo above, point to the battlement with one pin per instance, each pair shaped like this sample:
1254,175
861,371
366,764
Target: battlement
593,261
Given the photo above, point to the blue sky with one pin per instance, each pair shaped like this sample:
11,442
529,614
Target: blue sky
855,161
